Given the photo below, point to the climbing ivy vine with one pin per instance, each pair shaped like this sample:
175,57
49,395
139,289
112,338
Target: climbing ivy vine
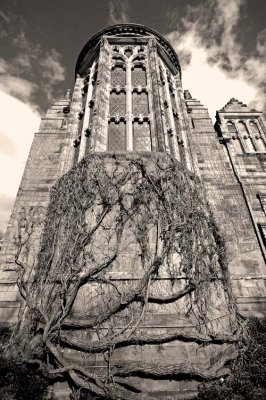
122,237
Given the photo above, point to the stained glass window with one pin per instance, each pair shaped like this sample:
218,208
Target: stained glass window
140,103
117,136
117,103
118,76
138,76
141,136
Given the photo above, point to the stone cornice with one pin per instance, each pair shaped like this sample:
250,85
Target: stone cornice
128,30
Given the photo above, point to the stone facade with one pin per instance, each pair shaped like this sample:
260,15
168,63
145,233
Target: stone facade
128,101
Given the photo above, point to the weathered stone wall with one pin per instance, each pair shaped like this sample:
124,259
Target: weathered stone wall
128,198
228,198
41,172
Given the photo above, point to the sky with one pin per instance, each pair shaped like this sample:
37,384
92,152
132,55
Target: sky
221,45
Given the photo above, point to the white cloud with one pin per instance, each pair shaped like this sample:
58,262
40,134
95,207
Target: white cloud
17,126
31,63
19,87
118,12
208,82
214,64
29,79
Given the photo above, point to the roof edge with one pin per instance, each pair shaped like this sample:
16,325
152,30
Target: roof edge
119,29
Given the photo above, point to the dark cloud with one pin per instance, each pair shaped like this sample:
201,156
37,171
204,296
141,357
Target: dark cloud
29,71
118,12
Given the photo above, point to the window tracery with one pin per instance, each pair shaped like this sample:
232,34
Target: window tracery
128,52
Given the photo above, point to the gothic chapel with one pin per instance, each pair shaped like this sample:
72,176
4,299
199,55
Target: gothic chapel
139,228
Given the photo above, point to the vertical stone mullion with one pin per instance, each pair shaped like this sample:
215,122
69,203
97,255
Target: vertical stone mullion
184,124
170,116
157,111
167,148
72,127
154,141
100,119
86,119
129,127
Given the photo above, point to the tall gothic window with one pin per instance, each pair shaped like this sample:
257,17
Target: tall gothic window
129,127
117,109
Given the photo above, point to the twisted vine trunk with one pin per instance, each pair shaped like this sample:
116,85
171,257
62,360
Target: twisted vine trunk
130,278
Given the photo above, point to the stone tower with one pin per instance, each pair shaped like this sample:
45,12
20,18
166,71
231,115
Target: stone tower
115,224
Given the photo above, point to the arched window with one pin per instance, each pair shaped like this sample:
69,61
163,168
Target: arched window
138,77
140,103
245,135
254,127
259,142
231,127
129,127
118,76
236,140
116,136
141,136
